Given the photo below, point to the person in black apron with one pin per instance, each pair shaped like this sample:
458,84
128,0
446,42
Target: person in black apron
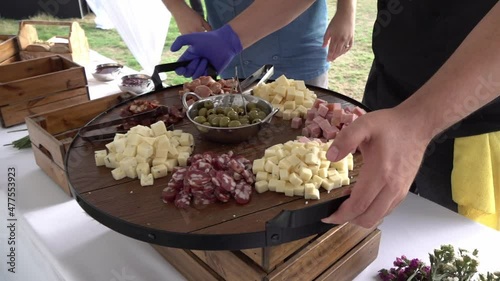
436,63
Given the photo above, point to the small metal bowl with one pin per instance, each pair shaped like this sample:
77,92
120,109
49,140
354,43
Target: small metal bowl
107,72
228,134
136,83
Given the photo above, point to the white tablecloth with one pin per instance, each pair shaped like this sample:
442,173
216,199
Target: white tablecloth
57,240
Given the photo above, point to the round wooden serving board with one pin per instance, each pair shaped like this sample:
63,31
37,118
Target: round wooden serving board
139,212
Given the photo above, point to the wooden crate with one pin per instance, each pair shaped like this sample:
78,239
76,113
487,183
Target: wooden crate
51,134
72,45
9,49
39,85
340,254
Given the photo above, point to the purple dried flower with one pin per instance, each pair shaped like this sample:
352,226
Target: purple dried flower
414,263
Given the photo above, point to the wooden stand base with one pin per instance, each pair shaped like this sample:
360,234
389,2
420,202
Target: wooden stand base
340,254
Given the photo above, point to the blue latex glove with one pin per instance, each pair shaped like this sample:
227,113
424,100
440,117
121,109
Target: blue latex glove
217,47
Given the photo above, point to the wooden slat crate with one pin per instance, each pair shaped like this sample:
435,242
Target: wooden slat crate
73,45
51,134
35,86
9,49
340,254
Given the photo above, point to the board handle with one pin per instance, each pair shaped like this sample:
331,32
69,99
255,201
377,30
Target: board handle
168,67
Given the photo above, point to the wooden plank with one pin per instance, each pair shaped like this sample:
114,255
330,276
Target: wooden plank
229,266
23,69
57,174
355,261
12,59
12,117
15,114
41,85
8,48
43,140
187,264
321,253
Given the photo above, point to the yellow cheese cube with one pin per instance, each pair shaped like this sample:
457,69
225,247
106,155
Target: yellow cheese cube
298,190
185,139
305,174
311,158
273,183
142,169
285,164
134,139
294,179
131,172
171,164
128,162
173,153
290,93
261,186
308,103
111,147
261,176
187,149
159,160
316,180
280,186
268,167
300,85
287,114
324,164
130,151
289,192
158,128
182,159
145,150
120,145
258,165
280,91
273,159
283,174
289,105
311,193
282,81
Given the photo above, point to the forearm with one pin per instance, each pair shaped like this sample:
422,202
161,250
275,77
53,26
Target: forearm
347,7
175,6
468,80
263,17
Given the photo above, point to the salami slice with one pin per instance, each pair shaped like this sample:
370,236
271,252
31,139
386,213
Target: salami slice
226,181
169,193
242,195
182,200
248,176
222,195
237,166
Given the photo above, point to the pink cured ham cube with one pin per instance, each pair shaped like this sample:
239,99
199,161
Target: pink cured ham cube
315,130
308,122
317,102
296,122
337,117
318,119
322,110
303,139
359,111
329,115
330,133
325,125
348,118
306,132
311,113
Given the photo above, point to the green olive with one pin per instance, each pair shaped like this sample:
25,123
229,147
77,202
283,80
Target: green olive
219,110
211,111
261,115
244,121
234,123
251,105
202,112
200,119
215,121
257,120
210,117
235,108
233,115
207,124
224,121
253,114
208,104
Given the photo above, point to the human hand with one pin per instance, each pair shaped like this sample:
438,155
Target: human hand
190,21
392,149
217,47
339,35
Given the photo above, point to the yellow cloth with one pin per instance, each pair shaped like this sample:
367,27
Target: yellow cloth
475,178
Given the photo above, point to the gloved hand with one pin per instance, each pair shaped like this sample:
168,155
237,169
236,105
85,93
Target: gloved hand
217,47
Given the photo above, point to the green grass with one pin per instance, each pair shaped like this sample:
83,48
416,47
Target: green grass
347,74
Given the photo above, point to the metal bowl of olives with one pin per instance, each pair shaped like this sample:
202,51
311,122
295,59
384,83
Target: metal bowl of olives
222,118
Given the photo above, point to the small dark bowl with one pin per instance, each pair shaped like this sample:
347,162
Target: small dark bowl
136,84
107,72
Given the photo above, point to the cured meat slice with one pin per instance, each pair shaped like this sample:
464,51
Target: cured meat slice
237,166
222,195
243,194
169,193
226,181
182,200
248,176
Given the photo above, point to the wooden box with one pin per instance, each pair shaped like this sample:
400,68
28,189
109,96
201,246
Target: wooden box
72,45
39,85
9,49
340,255
51,134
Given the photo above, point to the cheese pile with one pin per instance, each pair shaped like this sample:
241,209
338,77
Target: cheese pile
146,153
291,97
300,168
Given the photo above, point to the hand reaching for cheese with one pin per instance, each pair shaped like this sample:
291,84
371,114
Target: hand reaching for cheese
217,47
391,158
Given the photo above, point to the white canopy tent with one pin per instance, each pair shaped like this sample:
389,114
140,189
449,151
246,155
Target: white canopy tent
143,26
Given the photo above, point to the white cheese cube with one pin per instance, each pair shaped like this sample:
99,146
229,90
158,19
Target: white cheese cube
131,172
322,155
130,151
298,190
111,147
316,180
141,159
340,165
171,164
185,139
282,81
273,159
142,169
134,139
159,160
305,174
350,162
323,173
324,164
308,103
173,153
128,162
119,157
289,105
332,172
269,166
311,158
345,180
147,180
99,156
276,171
261,186
149,140
119,136
261,176
280,91
336,180
280,153
311,193
294,160
118,173
280,186
120,145
269,152
273,183
294,179
183,158
287,114
159,171
177,133
187,149
289,192
258,165
300,85
158,128
283,174
161,152
145,150
162,142
285,164
300,151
